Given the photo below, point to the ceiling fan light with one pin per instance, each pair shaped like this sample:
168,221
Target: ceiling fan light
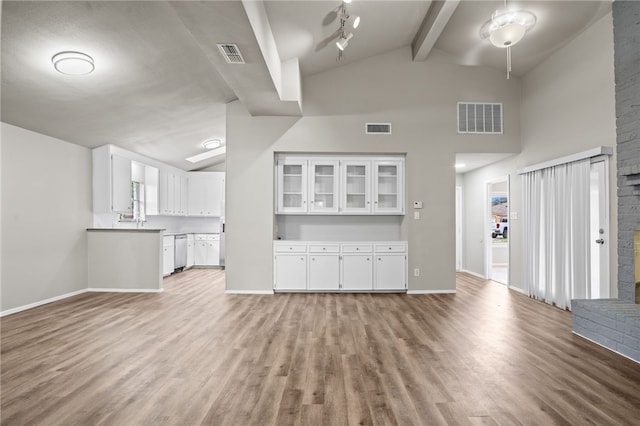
507,35
73,63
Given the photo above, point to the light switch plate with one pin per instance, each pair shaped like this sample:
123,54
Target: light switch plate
416,215
514,215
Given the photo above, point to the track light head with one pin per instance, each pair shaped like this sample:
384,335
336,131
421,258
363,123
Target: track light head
344,41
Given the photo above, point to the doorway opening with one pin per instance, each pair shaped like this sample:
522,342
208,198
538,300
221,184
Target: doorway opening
498,230
458,228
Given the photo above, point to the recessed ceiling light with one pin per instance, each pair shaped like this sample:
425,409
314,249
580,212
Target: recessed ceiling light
460,165
208,154
73,63
212,143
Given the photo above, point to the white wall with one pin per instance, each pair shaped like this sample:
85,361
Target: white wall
419,99
568,106
46,208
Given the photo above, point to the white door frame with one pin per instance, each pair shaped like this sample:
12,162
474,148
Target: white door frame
605,262
487,234
458,226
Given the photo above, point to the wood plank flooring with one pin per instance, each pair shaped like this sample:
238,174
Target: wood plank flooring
194,355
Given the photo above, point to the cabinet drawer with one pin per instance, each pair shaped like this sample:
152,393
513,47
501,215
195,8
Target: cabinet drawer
167,241
213,237
390,248
324,248
291,248
201,237
357,248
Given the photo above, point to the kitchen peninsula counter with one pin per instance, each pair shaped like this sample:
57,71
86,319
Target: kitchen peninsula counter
125,260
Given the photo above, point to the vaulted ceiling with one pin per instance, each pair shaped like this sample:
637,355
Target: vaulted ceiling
160,85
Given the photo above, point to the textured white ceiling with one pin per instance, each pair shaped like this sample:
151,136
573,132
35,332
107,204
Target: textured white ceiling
160,86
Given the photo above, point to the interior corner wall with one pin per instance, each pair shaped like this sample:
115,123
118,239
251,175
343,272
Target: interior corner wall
46,208
419,99
568,106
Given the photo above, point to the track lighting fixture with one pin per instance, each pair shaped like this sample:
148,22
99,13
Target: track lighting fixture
346,20
344,41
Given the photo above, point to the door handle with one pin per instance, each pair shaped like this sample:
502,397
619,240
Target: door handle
600,241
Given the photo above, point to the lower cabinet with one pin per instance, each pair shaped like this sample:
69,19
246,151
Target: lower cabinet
207,250
324,272
390,272
291,272
168,259
344,266
190,251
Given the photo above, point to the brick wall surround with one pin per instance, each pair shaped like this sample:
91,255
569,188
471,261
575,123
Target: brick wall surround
615,323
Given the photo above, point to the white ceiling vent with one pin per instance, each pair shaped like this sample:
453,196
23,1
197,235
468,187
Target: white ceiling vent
479,118
378,128
231,53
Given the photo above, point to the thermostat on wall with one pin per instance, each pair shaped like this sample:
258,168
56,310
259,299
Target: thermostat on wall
417,204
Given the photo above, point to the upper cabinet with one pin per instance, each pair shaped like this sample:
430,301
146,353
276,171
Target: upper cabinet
388,184
355,192
135,187
356,185
121,200
323,186
206,194
292,185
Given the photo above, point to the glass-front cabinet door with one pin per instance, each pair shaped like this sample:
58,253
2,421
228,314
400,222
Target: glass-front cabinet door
388,187
292,186
356,186
324,186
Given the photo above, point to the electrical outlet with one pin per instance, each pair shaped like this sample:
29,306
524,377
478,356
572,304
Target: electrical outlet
416,272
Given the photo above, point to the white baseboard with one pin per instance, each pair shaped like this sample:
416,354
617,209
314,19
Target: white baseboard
519,290
248,291
125,290
600,344
475,274
431,291
41,302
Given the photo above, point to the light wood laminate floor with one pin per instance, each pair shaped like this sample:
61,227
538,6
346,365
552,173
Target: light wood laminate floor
194,355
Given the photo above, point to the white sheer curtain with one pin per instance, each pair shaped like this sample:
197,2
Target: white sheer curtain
556,230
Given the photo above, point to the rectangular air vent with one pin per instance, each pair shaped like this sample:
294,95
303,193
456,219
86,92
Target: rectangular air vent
479,118
378,128
231,53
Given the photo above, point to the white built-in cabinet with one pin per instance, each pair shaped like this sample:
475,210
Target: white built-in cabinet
206,250
121,184
190,251
360,185
168,255
292,185
206,194
168,191
340,266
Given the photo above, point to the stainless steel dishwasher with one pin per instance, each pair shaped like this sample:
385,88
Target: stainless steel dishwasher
181,252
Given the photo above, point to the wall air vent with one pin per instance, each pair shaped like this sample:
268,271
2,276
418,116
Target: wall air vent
479,118
378,128
231,53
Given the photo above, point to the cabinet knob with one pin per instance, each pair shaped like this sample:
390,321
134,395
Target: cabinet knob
302,258
367,259
357,249
313,258
380,259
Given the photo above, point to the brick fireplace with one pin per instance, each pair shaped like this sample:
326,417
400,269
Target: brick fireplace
615,323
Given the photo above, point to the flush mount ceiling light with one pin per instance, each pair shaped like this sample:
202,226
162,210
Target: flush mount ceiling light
73,63
506,28
346,20
460,165
212,143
